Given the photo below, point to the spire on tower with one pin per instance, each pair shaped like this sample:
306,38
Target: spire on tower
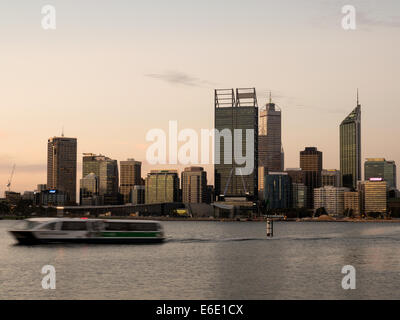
270,97
62,132
358,100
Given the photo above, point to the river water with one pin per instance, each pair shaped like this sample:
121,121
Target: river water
214,260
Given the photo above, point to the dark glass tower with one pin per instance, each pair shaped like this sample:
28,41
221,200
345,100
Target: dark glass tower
61,166
350,148
270,151
380,168
311,165
232,113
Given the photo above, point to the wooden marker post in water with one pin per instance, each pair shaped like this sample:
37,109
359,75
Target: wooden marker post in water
270,228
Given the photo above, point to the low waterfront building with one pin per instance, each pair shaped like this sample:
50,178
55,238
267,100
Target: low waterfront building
51,198
373,195
13,197
331,198
352,202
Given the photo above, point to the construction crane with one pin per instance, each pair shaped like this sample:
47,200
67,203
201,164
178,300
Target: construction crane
10,180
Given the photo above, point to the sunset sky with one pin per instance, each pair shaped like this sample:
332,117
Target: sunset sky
113,70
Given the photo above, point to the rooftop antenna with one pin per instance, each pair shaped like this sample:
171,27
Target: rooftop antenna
62,132
270,97
358,101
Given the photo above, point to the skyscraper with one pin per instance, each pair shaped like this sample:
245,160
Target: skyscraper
277,190
380,168
130,176
350,148
234,113
194,185
162,186
311,165
61,166
299,195
106,171
373,195
270,138
331,177
89,190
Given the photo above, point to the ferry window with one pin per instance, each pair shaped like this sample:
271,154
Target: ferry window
117,226
126,226
50,226
97,226
73,225
142,227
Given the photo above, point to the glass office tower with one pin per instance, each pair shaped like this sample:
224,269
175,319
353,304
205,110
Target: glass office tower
270,138
106,171
232,113
350,148
130,176
277,190
311,165
380,168
162,186
61,166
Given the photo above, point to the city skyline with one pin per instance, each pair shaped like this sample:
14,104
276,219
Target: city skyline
313,74
180,167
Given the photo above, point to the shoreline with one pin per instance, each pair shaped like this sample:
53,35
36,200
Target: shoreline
198,219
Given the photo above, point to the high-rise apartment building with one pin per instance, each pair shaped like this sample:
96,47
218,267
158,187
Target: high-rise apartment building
311,165
194,185
270,151
331,198
380,168
350,148
61,166
236,120
331,177
130,176
162,186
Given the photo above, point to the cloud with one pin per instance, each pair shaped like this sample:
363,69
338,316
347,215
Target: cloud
180,78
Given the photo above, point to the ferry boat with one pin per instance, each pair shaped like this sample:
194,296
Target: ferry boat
83,230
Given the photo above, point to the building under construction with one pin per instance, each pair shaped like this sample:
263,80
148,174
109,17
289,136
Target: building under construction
235,110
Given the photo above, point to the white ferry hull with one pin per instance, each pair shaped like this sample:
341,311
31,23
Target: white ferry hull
32,238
